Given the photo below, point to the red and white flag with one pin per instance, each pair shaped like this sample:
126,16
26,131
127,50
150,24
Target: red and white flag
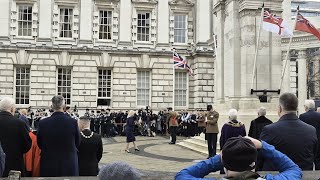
275,24
304,25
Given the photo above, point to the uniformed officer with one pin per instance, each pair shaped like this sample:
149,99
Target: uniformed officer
97,122
92,119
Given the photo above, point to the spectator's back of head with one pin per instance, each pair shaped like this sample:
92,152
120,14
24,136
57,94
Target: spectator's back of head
209,107
233,113
24,111
58,102
118,171
288,102
7,104
239,154
309,104
262,111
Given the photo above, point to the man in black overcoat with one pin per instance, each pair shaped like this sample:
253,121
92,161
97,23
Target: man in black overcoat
90,149
290,135
58,139
312,118
258,124
14,137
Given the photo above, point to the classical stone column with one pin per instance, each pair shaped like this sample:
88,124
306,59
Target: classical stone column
86,20
302,79
125,21
4,18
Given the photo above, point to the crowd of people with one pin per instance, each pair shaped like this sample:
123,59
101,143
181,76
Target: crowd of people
60,143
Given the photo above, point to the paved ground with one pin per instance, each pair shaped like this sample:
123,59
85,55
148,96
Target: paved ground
155,155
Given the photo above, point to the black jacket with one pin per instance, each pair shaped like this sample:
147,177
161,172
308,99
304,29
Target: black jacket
313,118
294,138
90,153
58,138
15,141
2,160
257,125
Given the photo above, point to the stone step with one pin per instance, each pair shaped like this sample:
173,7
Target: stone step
198,144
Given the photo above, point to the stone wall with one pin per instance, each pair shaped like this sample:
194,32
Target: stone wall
84,67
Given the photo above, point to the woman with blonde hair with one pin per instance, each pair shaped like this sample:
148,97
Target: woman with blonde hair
129,128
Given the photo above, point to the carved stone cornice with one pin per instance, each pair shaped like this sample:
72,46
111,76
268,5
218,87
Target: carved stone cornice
66,2
219,6
107,3
179,3
273,5
145,1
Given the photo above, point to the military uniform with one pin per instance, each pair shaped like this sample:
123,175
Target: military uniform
212,131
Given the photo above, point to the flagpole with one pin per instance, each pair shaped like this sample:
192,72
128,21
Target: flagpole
288,51
173,80
257,49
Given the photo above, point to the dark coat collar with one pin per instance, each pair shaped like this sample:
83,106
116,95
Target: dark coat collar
289,117
5,113
58,113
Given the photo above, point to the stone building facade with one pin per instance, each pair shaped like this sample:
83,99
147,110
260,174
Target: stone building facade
106,53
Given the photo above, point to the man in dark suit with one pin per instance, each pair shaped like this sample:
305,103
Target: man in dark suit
14,137
290,135
90,149
258,124
58,139
312,118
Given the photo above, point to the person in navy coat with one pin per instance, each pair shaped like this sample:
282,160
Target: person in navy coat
291,136
312,118
58,139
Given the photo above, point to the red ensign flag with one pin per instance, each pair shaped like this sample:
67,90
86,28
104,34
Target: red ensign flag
304,25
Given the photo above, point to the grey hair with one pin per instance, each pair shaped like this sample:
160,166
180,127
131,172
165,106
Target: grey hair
6,104
310,104
262,111
58,102
119,171
233,113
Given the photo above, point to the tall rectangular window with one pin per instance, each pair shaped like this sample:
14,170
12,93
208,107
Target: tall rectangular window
65,24
64,84
143,88
104,88
105,24
143,28
180,89
180,28
25,20
22,85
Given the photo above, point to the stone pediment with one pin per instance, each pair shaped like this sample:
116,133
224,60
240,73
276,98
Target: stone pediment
181,2
145,1
107,2
66,1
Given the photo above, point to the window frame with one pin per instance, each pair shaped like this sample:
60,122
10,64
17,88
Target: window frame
187,89
145,27
149,88
111,25
15,85
111,86
18,21
71,23
186,28
57,82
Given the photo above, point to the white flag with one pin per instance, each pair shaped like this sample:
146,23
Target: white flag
275,24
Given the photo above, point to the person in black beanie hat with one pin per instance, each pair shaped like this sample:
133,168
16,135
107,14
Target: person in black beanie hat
239,154
238,158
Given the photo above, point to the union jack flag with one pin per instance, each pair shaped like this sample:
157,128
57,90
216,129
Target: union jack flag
179,61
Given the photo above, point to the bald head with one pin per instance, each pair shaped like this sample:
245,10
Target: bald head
7,104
